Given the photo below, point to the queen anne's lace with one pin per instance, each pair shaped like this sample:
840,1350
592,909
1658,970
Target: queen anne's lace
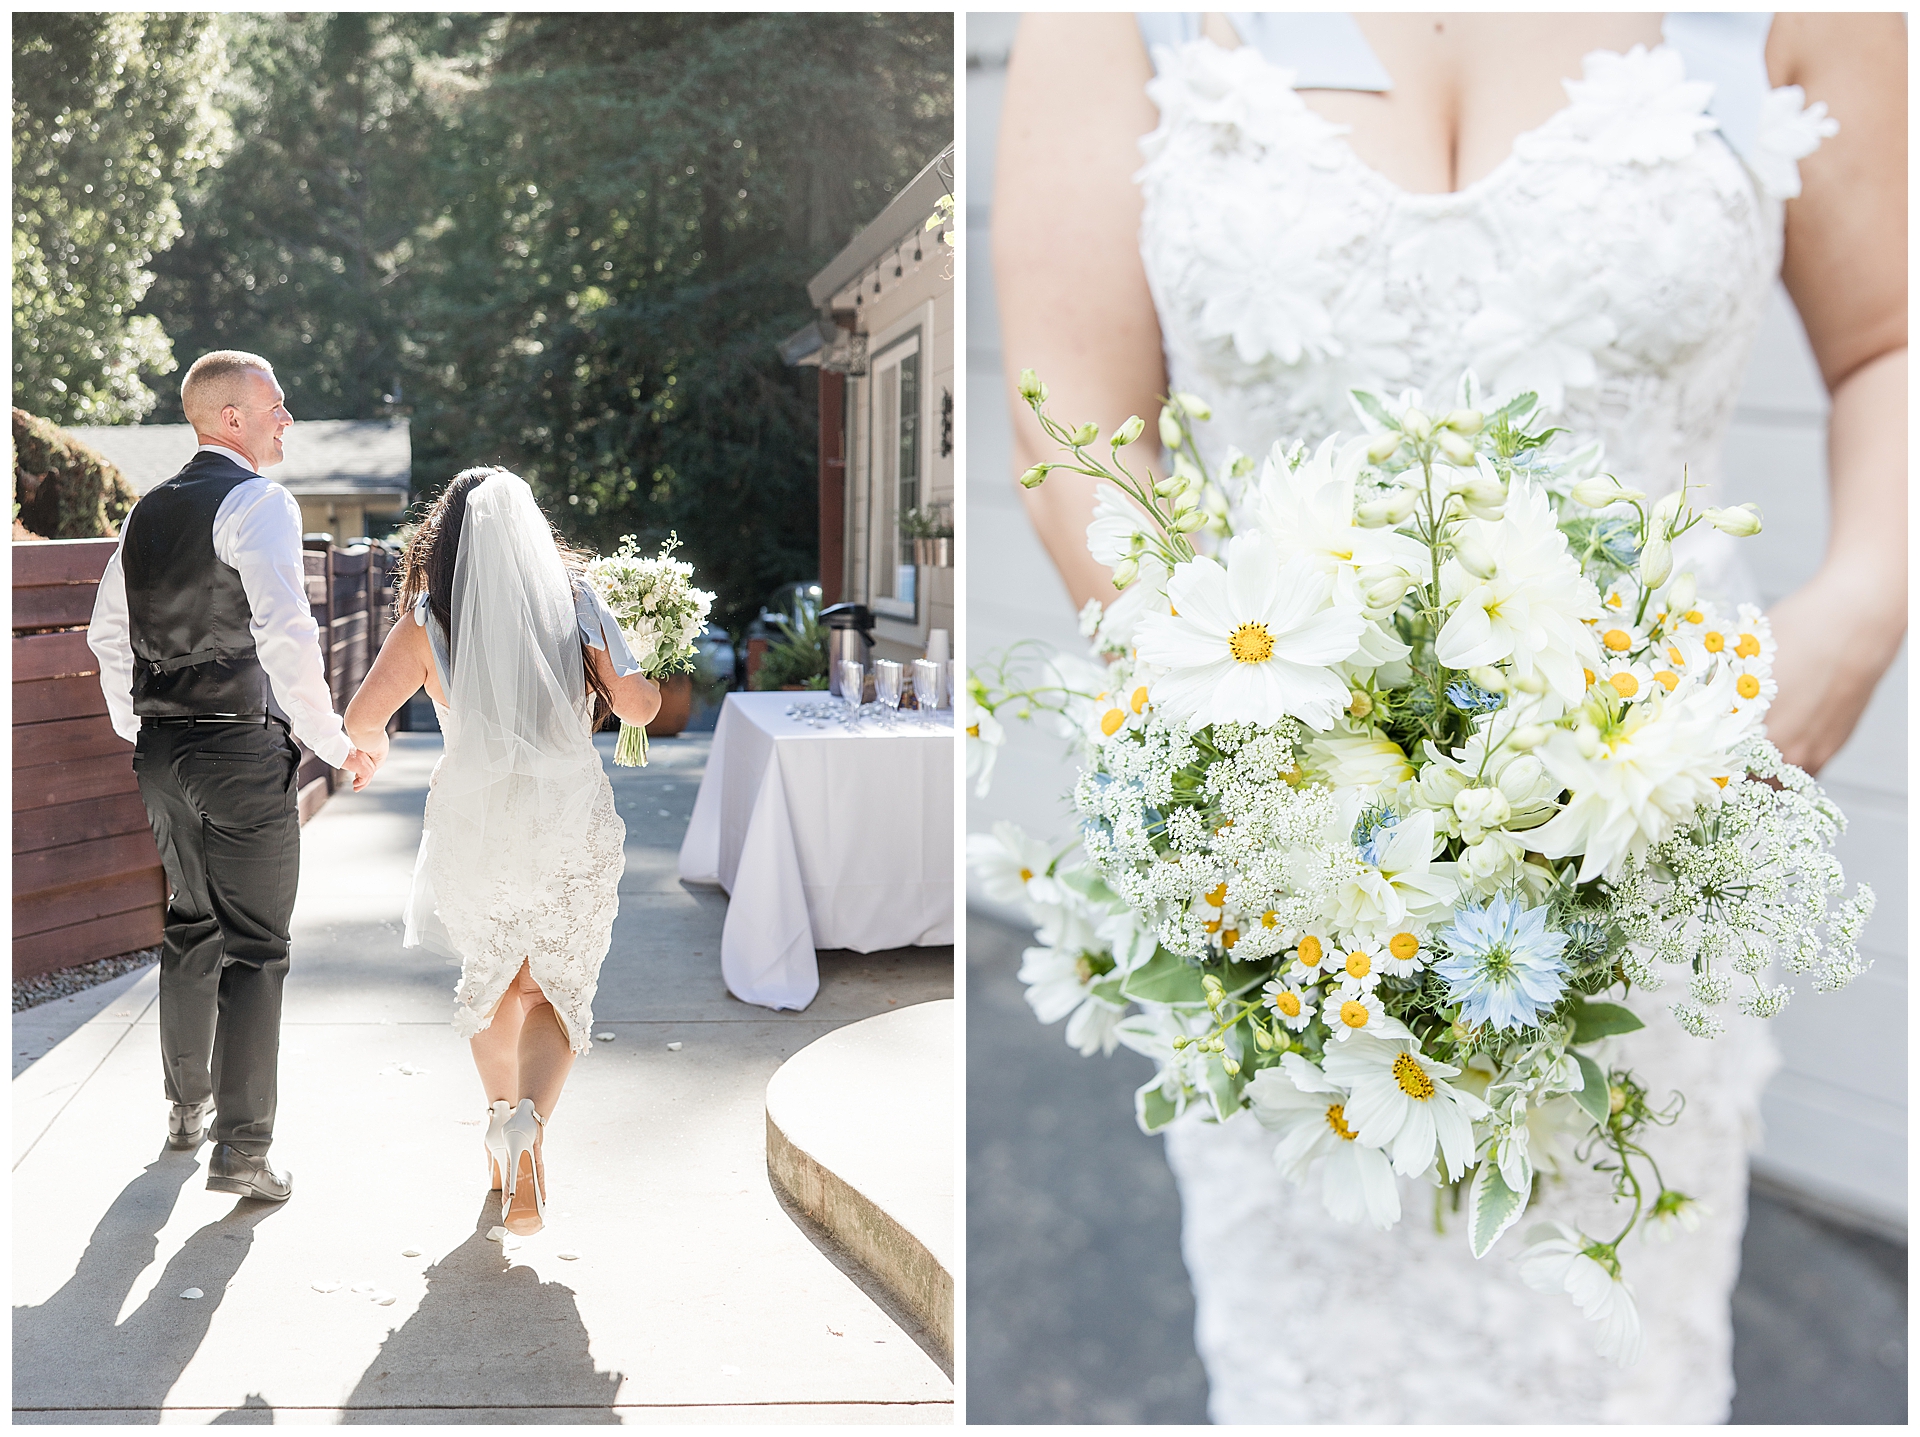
1619,260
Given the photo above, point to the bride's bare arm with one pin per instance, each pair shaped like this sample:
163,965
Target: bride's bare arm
1846,268
398,672
635,699
1074,303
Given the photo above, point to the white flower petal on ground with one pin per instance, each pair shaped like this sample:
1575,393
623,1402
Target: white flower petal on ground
1558,1261
1297,1101
1253,641
193,1294
1400,1100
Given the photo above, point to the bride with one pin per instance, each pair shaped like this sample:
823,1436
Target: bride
521,858
1552,201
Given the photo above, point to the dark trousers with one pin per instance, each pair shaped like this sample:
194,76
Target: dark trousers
224,806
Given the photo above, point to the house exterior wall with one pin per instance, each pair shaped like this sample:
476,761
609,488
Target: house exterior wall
918,303
1835,1115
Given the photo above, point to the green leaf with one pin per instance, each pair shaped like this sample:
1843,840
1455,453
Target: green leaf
1371,406
1109,990
1222,1087
1153,1108
1165,978
1593,1021
1515,408
1593,1098
1492,1207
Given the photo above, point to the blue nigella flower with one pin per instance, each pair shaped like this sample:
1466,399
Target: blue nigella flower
1469,697
1502,966
1374,824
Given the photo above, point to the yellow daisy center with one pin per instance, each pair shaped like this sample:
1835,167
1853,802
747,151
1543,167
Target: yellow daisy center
1251,644
1213,925
1310,951
1337,1120
1590,676
1747,647
1613,601
1403,946
1353,1014
1229,938
1026,875
1747,686
1139,699
1269,918
1694,616
1359,964
1668,679
1619,640
1721,781
1626,685
1287,1003
1218,896
1678,659
1715,641
1110,722
1411,1077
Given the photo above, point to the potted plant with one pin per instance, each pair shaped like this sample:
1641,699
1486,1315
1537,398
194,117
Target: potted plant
798,658
931,529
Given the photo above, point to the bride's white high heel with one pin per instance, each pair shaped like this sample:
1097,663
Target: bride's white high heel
496,1140
521,1131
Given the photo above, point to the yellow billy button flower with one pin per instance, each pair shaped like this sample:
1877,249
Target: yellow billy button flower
1138,702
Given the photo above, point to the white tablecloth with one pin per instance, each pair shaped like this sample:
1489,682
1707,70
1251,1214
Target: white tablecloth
823,838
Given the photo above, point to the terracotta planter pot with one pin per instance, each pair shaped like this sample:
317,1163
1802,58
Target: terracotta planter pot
676,707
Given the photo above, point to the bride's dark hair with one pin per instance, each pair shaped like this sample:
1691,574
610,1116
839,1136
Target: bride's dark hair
427,567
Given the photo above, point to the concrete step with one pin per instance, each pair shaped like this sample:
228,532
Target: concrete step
860,1136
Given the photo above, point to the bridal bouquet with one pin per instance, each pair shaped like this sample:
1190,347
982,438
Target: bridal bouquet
1403,759
660,615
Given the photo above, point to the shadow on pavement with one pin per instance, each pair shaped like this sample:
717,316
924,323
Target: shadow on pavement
486,1337
132,1365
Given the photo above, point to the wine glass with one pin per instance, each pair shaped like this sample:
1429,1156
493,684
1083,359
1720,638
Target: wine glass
927,685
853,679
887,675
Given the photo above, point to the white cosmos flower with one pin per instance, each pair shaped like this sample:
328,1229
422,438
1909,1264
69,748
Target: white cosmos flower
1116,520
1528,614
1400,1100
1395,881
1297,1101
1309,511
1147,594
1656,764
1012,866
1059,983
1253,641
984,738
1558,1261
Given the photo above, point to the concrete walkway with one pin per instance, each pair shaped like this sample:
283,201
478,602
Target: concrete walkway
690,1294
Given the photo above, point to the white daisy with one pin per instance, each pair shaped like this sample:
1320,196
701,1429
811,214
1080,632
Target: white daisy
1253,641
1358,1010
1012,867
1401,1101
1562,1260
1294,1007
1296,1100
1401,955
984,739
1309,957
1359,970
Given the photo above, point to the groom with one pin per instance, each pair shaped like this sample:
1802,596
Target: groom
210,661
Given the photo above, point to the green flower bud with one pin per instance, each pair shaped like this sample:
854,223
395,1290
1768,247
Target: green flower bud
1128,432
1416,424
1656,563
1125,572
1196,407
1474,556
1602,490
1489,678
1084,435
1170,435
1187,523
1741,521
1456,448
1680,597
1527,737
1033,478
1465,421
1031,389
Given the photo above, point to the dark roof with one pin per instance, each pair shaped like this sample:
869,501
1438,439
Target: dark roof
906,215
345,458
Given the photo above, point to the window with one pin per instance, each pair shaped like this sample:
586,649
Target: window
899,432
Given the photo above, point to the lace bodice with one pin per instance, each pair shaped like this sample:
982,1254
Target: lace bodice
1617,261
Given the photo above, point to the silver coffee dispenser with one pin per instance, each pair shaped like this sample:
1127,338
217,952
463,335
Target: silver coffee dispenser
849,636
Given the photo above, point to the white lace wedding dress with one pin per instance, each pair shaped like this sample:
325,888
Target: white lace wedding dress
1618,261
522,850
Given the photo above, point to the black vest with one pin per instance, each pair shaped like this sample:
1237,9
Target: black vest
193,647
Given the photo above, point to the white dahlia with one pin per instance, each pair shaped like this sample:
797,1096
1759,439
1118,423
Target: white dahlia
1309,511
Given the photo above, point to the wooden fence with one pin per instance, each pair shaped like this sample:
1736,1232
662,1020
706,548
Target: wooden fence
87,881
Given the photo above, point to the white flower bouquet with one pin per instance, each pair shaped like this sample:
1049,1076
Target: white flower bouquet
660,614
1393,793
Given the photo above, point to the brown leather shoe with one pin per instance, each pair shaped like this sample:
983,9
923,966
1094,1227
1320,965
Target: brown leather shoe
229,1171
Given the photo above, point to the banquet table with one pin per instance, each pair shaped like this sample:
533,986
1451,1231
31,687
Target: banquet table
824,836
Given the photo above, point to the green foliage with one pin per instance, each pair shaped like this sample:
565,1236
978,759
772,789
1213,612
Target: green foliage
568,243
798,656
64,489
111,114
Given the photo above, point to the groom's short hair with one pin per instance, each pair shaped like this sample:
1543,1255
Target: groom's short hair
215,380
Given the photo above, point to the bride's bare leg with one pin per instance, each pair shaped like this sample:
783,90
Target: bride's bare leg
544,1060
496,1050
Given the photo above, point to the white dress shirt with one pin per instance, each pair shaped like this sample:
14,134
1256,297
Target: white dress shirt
256,530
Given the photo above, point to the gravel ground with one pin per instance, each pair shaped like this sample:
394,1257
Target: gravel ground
32,992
